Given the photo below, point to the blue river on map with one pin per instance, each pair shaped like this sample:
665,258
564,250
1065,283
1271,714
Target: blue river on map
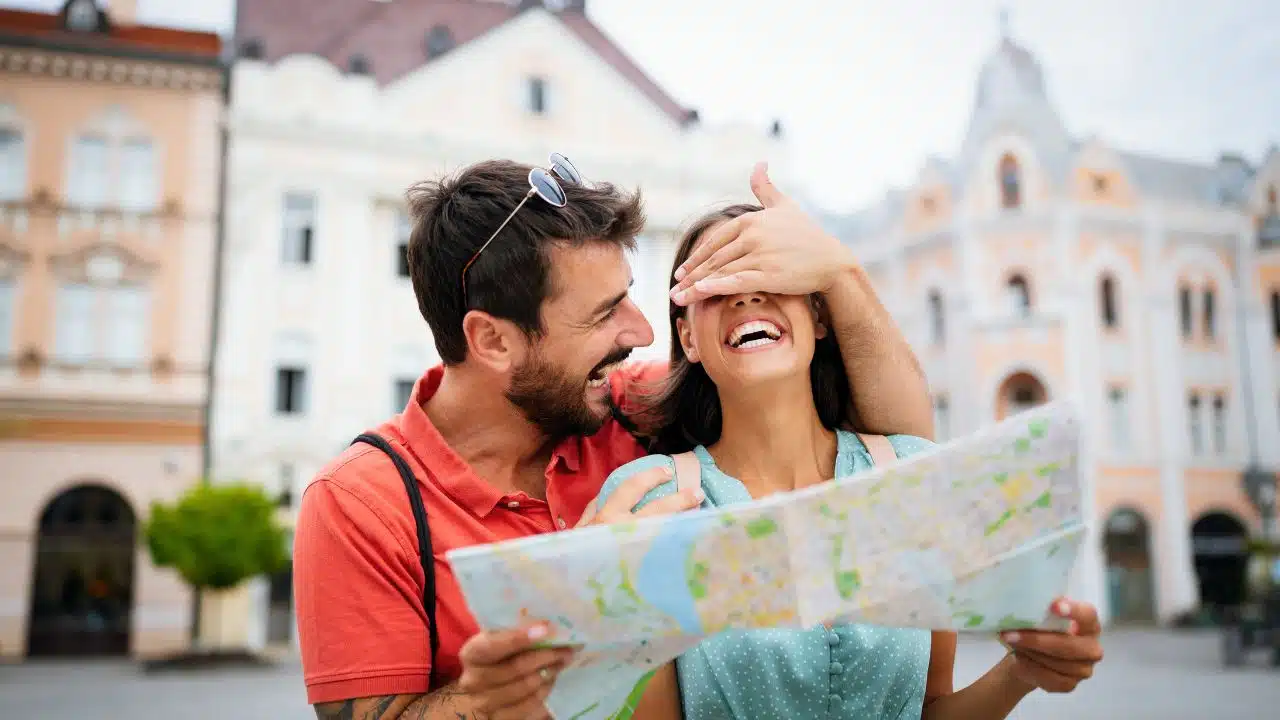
660,581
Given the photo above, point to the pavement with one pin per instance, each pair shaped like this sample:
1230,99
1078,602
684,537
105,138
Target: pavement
1158,675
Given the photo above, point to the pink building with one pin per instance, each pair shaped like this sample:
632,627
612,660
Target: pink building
109,168
1038,265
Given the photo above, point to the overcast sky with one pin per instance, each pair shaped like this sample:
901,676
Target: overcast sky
867,89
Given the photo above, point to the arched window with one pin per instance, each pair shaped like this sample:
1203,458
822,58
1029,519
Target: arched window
1019,295
1110,312
1194,424
1010,183
937,318
1275,314
1184,310
1271,201
1210,328
13,164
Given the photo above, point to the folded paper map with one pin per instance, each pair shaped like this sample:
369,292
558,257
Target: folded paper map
977,535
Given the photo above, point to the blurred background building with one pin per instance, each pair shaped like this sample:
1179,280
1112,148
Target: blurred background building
1036,265
143,289
109,173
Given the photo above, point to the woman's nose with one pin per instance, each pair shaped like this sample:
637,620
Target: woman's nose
746,299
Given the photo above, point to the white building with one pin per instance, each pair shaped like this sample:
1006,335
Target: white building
337,106
1037,265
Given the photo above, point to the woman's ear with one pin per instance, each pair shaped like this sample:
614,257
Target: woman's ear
686,340
819,330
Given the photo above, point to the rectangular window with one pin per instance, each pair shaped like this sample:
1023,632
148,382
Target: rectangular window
291,390
1210,325
13,165
1219,424
401,392
88,184
942,418
285,498
8,316
299,228
1184,311
73,333
1118,406
1195,426
130,323
537,95
137,187
403,229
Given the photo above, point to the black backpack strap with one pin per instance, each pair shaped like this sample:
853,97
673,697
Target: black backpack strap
424,539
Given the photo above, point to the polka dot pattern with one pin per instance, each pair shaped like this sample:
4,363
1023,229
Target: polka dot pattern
849,671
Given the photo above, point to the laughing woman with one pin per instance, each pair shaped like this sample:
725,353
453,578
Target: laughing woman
758,393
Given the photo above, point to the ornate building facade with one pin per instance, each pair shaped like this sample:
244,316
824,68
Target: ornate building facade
109,169
1037,265
337,107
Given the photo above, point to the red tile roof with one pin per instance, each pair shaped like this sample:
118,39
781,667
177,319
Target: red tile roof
391,36
48,27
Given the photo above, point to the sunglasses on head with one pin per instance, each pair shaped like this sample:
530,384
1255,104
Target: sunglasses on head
543,183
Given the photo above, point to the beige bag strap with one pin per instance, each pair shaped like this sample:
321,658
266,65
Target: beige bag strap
880,449
688,471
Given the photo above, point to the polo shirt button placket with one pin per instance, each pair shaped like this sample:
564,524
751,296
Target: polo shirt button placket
514,504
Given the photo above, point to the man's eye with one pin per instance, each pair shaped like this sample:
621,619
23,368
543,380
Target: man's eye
609,315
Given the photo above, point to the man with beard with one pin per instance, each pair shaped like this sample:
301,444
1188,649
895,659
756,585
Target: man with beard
522,275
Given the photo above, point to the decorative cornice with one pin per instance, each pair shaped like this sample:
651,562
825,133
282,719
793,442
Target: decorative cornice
139,72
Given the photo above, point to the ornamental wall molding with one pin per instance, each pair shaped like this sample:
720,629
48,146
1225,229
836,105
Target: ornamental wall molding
116,70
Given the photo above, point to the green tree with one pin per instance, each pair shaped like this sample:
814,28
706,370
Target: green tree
218,536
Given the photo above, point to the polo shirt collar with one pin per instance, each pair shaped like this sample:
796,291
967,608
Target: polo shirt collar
449,470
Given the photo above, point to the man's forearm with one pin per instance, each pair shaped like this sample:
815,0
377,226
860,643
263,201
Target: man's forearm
447,703
890,392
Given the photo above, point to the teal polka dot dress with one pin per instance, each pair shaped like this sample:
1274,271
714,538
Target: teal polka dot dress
849,671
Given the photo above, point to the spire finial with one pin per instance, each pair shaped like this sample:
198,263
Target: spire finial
1004,21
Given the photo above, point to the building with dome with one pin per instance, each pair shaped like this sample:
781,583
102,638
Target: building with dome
1036,265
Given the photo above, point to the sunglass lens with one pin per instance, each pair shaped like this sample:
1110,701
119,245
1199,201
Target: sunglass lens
564,169
547,187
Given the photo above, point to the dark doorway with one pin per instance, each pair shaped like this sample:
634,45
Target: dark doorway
280,608
1219,547
1127,544
82,589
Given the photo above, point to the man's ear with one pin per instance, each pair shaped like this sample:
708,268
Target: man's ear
686,341
495,343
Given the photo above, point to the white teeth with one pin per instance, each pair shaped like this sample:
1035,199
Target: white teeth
771,331
600,377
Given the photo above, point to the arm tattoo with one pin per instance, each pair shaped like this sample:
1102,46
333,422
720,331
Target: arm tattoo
374,708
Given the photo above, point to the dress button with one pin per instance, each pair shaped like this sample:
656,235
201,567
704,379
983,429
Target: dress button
832,638
561,523
836,668
513,504
834,699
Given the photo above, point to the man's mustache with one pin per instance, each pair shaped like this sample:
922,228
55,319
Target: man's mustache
616,356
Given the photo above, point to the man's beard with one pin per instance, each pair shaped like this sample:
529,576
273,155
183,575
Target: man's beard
554,400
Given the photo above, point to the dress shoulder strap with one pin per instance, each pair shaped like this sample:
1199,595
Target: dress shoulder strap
880,449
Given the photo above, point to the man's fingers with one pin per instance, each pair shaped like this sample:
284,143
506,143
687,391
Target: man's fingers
633,489
533,707
716,239
686,499
763,188
725,256
493,647
528,683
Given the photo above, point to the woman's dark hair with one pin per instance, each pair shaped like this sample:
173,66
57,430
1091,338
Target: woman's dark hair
683,411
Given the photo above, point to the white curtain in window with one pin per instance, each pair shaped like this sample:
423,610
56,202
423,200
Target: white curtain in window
8,297
129,320
299,223
89,172
1119,406
137,175
73,341
13,165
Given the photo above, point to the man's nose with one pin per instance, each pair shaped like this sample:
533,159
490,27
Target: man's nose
636,331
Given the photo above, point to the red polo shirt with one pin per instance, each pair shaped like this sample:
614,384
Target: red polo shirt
357,578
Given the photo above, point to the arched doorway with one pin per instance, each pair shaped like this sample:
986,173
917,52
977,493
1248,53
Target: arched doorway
1219,547
1127,545
82,588
1020,391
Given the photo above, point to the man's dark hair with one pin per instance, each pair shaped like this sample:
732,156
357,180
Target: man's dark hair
453,217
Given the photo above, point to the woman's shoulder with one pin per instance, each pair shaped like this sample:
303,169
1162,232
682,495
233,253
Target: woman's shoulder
903,445
639,465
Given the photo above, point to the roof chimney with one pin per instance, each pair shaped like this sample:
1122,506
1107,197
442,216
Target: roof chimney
123,12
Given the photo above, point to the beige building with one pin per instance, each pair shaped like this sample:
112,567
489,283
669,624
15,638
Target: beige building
1036,265
109,168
